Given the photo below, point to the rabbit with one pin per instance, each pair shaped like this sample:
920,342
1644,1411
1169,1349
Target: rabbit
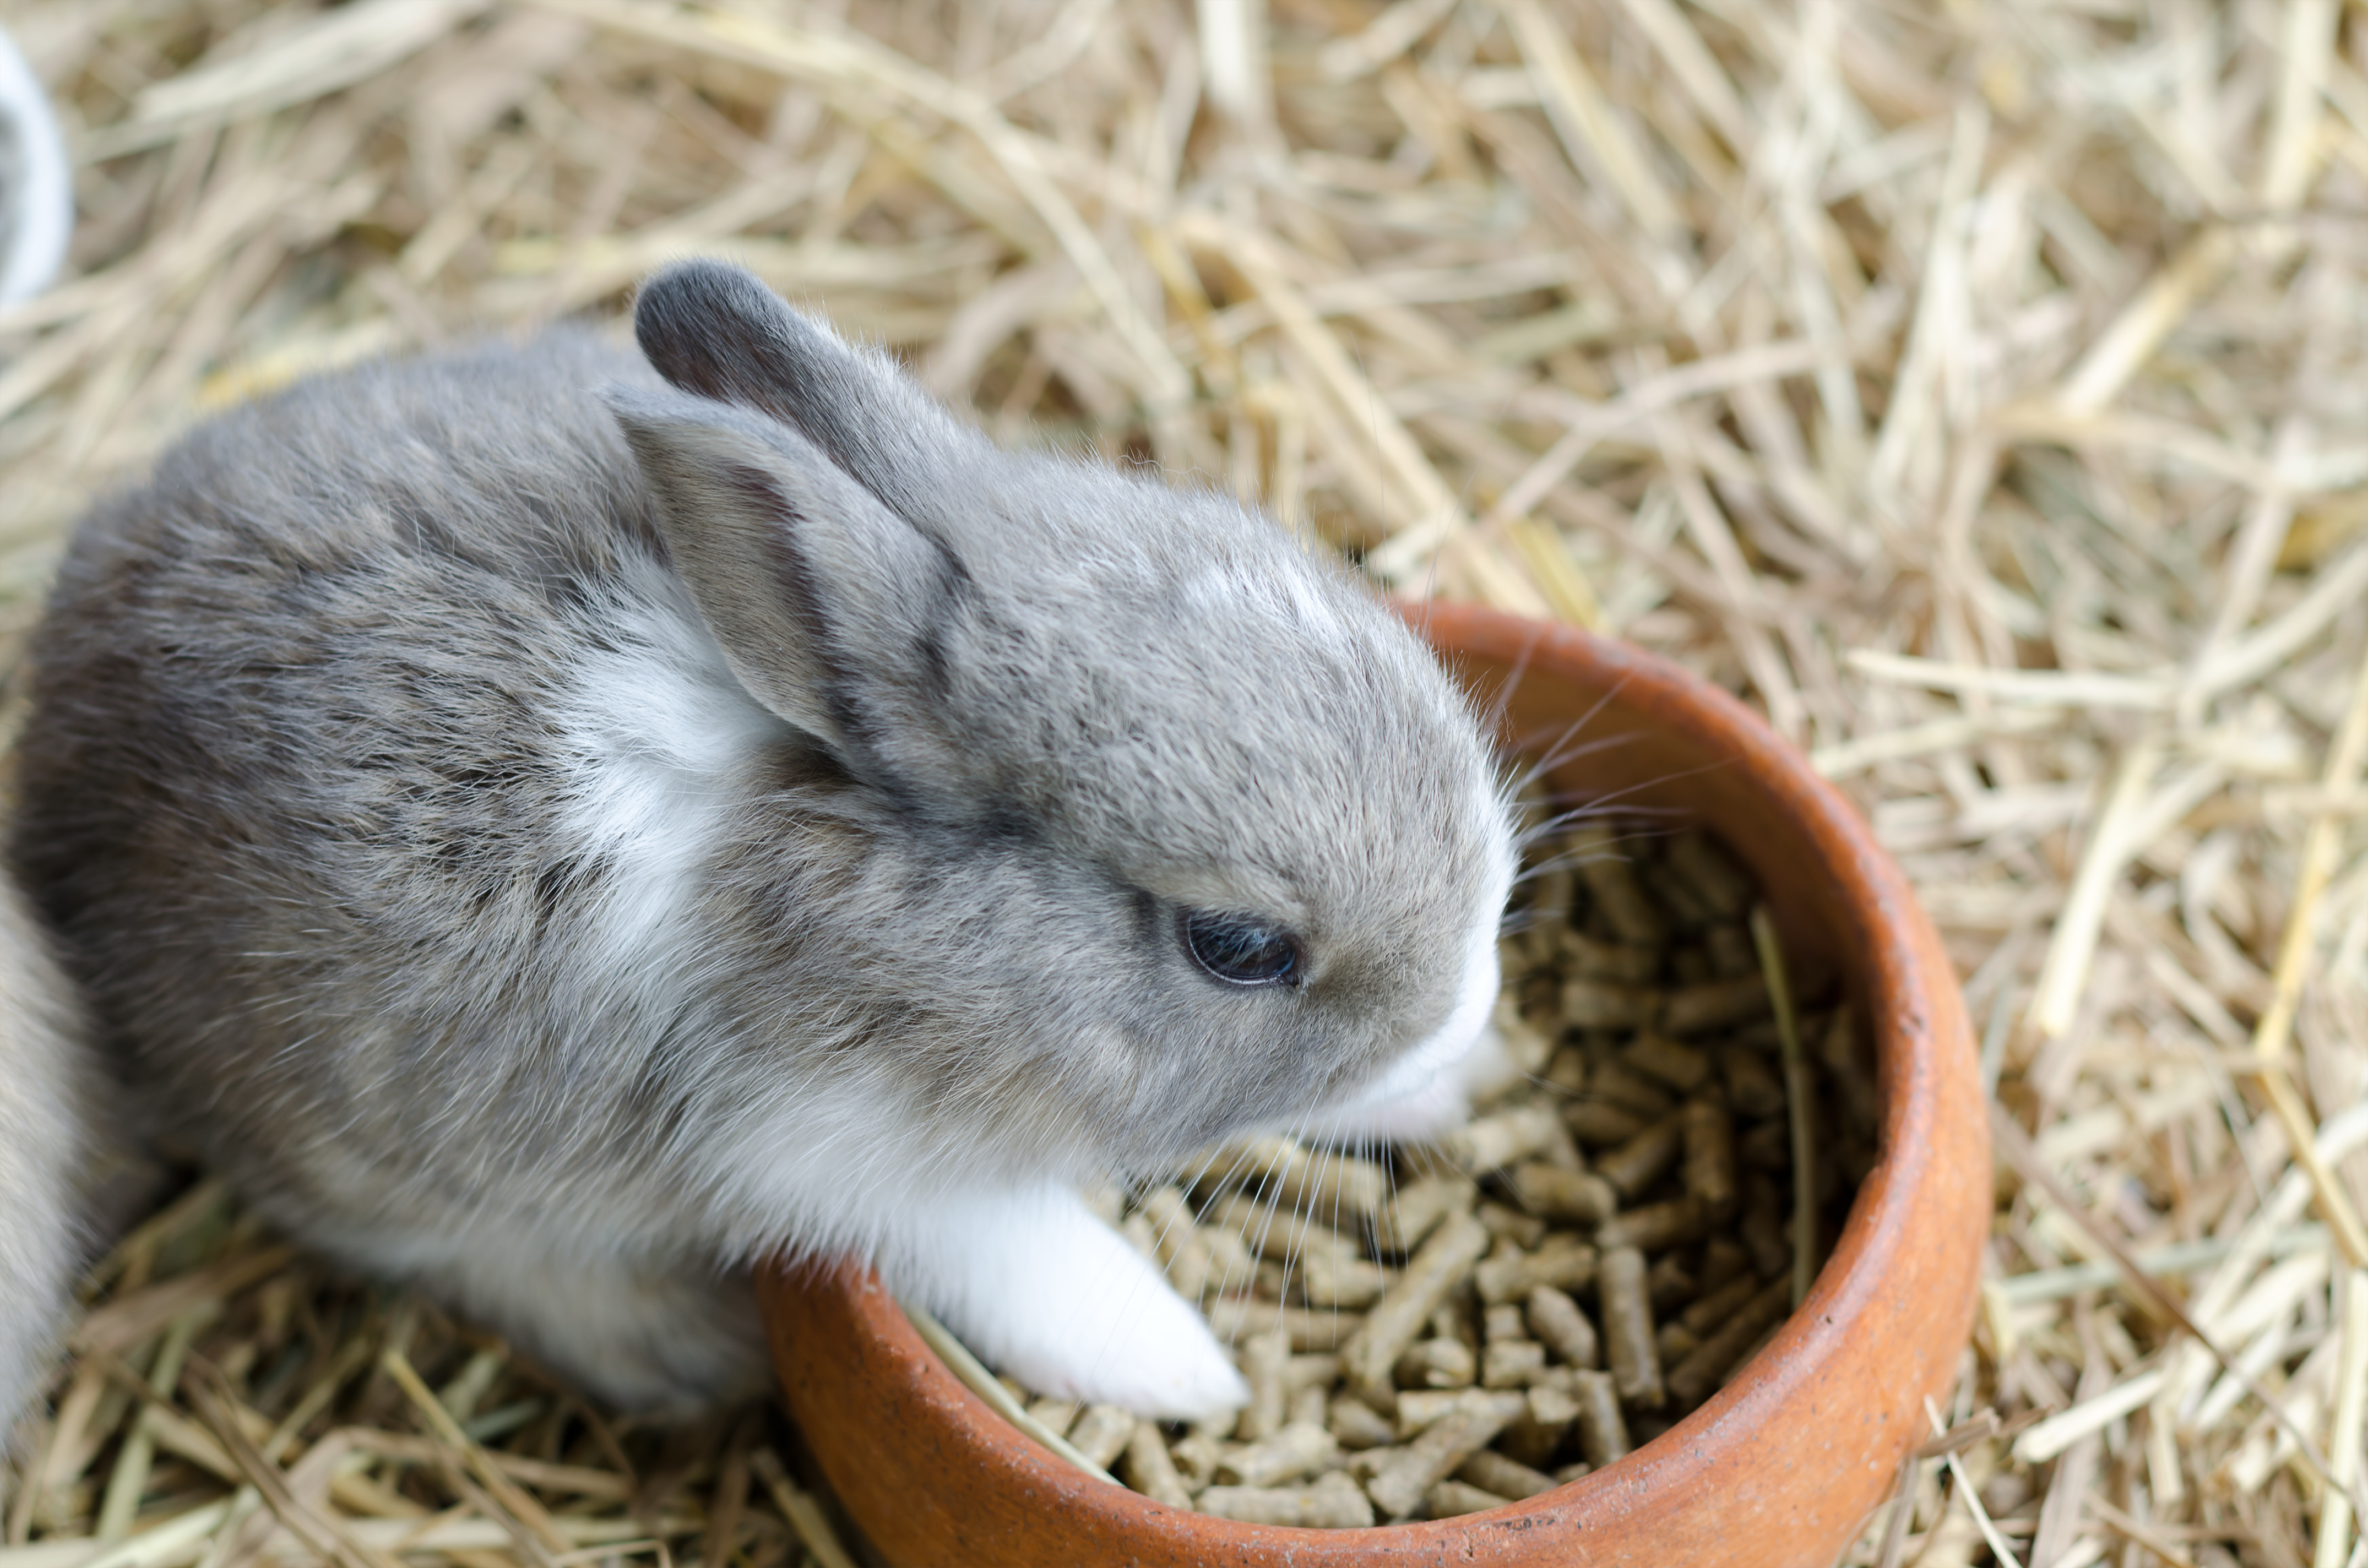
46,1115
557,825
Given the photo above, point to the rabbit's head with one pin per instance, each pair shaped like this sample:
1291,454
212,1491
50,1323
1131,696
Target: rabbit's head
1149,826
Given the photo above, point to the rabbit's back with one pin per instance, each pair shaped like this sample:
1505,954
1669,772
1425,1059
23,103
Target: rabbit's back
321,761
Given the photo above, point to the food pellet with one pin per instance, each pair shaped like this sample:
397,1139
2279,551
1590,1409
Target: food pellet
1450,1497
1557,1323
1441,1263
1196,1456
1566,1071
1512,1364
1695,1009
1359,1426
1054,1415
1547,1416
1670,1283
1753,1085
1306,1181
1151,1470
1235,1318
1703,1370
1263,1358
1418,1410
1435,1364
1178,1243
1763,1228
1681,1067
1598,1003
1562,1261
1713,1309
1644,1159
1334,1502
1457,1325
1619,1085
1511,1224
1696,859
1420,1208
1612,878
1724,1259
1655,1226
1628,1346
1492,1472
1600,1122
1102,1433
1482,1146
1398,1485
1609,961
1286,1455
1709,1160
1602,1429
1575,1198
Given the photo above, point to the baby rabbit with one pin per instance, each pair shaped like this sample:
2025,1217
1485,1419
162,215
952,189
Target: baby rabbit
555,825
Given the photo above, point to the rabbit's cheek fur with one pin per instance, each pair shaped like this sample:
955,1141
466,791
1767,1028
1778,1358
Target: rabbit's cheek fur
656,732
1422,1093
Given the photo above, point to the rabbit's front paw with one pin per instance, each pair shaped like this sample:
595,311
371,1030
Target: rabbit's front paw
1045,1290
1139,1345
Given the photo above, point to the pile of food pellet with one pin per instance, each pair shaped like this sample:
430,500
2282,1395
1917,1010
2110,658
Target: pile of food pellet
1460,1325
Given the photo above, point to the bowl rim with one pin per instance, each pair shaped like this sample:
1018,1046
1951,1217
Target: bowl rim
1911,996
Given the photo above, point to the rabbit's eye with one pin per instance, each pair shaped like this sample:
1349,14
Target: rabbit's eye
1240,950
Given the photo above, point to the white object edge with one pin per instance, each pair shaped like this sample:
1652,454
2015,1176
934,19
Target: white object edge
44,203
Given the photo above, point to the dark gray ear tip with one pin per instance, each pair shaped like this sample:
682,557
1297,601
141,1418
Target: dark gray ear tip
703,295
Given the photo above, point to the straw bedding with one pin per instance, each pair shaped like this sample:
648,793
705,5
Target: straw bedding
1977,389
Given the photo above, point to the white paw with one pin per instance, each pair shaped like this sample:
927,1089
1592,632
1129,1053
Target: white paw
1042,1289
1146,1351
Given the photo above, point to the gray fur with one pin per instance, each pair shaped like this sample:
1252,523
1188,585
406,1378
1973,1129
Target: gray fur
555,837
44,1111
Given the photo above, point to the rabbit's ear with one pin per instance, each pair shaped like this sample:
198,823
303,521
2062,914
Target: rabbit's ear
715,330
828,604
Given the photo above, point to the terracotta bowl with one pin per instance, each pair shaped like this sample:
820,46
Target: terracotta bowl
1780,1468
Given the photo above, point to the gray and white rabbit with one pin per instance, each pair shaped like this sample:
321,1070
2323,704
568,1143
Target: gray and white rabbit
555,825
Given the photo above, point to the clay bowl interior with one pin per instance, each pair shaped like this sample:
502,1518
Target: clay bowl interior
1783,1466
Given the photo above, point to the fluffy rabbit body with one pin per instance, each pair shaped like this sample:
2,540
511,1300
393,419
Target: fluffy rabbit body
555,825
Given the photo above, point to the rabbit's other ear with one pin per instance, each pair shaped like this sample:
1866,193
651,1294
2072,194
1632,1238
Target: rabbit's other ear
713,329
829,607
